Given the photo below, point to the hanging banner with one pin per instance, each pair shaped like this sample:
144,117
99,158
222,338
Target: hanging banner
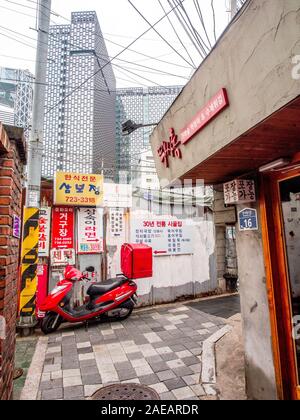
116,222
78,189
62,228
44,231
90,231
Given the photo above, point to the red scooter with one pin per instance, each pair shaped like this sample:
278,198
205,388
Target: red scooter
113,298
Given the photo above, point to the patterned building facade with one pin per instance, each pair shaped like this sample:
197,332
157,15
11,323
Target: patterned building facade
80,100
143,106
16,96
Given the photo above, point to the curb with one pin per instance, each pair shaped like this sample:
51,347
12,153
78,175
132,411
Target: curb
208,374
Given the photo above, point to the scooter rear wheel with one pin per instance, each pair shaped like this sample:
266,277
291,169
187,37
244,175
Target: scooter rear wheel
50,323
121,313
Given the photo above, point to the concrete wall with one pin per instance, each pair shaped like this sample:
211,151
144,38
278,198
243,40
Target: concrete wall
260,375
253,61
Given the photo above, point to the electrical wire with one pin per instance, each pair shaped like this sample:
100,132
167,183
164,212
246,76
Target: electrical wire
197,36
156,31
188,30
176,33
116,56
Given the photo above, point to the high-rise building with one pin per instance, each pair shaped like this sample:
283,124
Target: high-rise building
143,106
16,96
79,128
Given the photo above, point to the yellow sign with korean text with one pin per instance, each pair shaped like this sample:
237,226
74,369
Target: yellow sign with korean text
78,190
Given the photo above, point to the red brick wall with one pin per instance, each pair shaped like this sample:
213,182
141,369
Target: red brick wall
11,169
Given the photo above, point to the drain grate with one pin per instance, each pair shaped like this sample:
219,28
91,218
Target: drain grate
126,392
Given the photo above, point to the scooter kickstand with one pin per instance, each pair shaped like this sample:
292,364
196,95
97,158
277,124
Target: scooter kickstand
86,326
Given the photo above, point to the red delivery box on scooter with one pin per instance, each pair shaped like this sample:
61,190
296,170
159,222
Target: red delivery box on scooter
136,261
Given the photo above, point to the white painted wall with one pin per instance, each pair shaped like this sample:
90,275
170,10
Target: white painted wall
173,276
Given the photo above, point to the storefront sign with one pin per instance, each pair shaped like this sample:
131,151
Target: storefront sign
42,288
16,227
116,222
90,231
78,189
165,236
44,231
170,148
61,257
248,220
216,105
117,195
239,191
62,228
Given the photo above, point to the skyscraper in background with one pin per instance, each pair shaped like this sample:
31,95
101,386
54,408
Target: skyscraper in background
143,106
16,96
79,127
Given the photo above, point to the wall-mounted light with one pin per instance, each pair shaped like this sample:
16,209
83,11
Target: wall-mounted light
277,164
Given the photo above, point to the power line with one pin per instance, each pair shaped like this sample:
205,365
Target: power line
152,27
14,39
189,32
116,56
176,33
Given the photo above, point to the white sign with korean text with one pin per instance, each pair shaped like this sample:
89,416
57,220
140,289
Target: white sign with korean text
44,231
117,222
239,191
61,257
90,230
165,236
117,195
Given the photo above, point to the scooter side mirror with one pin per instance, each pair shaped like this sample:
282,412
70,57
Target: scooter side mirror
90,269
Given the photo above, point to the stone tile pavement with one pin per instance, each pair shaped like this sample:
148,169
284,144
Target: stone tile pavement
25,348
160,348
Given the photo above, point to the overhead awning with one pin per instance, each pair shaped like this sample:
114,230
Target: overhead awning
276,137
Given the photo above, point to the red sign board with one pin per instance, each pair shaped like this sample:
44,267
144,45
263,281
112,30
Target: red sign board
216,105
42,288
62,228
170,148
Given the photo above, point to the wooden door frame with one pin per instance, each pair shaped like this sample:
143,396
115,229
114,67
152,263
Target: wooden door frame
278,290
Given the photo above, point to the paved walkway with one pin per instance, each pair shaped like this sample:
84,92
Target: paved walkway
25,348
161,348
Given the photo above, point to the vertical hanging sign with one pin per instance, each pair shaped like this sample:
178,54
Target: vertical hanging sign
62,228
90,230
44,231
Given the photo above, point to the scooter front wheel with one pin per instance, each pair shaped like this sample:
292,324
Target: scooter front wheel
50,323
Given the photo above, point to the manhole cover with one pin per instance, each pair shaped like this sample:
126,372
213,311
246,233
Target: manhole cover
126,392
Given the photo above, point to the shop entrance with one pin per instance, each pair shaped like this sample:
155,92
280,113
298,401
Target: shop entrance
281,221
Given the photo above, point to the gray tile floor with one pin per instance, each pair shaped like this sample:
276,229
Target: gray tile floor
160,348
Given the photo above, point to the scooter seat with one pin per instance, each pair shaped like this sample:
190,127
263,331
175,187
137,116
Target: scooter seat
99,289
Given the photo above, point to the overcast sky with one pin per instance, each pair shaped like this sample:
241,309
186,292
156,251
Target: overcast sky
121,24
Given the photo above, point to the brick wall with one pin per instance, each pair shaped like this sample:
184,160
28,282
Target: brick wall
12,156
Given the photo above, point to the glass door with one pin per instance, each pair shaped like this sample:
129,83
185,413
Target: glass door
289,194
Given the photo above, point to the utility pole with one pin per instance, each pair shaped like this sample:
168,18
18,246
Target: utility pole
29,254
233,8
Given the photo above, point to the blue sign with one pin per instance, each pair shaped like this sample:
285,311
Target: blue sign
248,219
